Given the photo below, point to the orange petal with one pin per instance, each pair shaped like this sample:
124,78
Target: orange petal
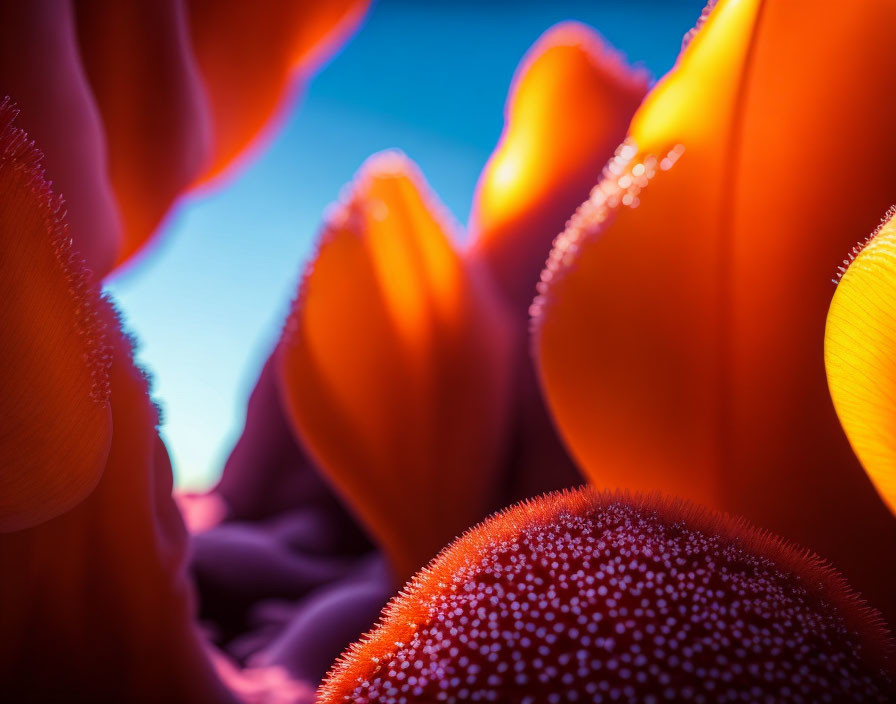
569,107
184,88
96,601
135,101
393,366
40,67
249,53
590,596
679,341
146,84
53,364
860,355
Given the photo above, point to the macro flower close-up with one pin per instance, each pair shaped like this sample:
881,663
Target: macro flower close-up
279,429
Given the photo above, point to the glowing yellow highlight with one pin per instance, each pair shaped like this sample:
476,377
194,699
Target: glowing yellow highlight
676,110
572,97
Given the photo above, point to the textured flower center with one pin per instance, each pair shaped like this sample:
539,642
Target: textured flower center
584,597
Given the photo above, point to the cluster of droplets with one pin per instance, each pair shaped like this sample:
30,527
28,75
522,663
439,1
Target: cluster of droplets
621,184
621,601
704,16
859,246
19,153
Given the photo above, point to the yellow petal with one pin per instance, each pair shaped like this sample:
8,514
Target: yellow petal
860,356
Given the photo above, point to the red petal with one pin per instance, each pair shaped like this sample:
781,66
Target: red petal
54,383
146,83
40,67
95,604
133,102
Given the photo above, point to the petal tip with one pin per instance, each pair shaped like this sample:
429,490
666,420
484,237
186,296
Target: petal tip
393,361
857,249
701,21
605,60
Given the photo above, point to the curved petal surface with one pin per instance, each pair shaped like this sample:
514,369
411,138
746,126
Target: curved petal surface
860,356
569,108
133,102
146,84
249,54
96,602
393,366
54,376
40,68
681,318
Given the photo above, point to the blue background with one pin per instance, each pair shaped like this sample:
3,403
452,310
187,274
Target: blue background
429,78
